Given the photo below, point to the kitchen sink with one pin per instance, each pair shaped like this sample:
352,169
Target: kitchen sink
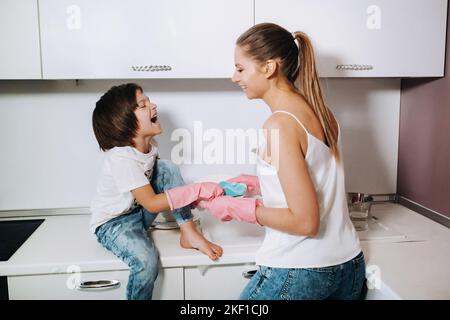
230,233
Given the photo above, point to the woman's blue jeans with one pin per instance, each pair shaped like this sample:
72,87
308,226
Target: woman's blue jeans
126,235
344,281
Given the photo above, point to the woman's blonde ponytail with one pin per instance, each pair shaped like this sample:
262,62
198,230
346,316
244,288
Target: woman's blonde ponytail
307,82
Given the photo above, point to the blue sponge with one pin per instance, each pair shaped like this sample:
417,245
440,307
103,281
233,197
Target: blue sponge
233,189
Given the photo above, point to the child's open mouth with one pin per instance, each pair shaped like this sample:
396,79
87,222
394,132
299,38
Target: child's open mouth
154,118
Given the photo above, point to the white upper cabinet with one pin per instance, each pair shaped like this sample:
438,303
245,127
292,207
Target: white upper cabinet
19,40
362,38
84,39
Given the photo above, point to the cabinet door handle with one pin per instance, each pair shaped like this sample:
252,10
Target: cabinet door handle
248,274
151,68
356,67
98,284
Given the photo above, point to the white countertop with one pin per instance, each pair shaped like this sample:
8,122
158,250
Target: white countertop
416,266
63,241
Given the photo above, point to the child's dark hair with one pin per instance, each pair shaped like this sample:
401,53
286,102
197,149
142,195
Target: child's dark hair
113,119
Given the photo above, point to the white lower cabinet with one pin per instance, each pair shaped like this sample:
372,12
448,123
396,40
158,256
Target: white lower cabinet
381,292
190,283
169,285
64,286
111,285
224,282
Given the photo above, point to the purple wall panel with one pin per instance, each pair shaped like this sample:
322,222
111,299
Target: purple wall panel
424,146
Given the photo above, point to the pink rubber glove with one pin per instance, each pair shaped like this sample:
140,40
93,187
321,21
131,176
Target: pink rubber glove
180,197
252,183
227,208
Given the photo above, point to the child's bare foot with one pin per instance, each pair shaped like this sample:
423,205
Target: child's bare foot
191,238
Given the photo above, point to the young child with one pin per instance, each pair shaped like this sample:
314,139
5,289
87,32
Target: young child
135,186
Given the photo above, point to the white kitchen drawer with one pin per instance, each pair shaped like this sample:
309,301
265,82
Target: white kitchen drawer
169,285
224,282
62,286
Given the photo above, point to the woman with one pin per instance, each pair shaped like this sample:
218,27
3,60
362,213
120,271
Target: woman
311,249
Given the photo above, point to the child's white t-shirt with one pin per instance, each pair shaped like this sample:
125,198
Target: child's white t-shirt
124,169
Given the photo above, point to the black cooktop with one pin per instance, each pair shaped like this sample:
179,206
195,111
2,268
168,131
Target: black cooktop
13,233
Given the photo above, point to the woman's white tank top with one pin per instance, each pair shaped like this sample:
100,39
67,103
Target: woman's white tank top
337,240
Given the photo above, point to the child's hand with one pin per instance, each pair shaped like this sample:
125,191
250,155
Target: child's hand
207,190
182,196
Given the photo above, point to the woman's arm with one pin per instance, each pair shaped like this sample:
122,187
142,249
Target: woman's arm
302,215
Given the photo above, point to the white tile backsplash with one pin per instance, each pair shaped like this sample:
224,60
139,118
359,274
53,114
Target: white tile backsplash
50,158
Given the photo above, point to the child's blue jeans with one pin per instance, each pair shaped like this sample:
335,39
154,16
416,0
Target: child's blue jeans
126,235
340,282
